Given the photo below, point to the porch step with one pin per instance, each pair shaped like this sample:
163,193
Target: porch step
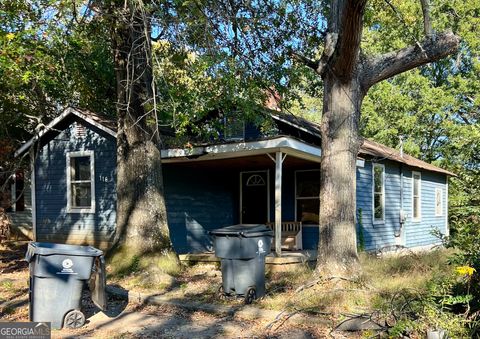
288,260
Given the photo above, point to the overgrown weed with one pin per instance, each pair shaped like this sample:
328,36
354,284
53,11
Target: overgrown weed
396,288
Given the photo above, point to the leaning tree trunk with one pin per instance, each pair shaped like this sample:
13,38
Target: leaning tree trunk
337,243
141,213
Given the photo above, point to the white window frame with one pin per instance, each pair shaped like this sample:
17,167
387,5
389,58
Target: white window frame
305,198
419,218
70,208
439,213
382,220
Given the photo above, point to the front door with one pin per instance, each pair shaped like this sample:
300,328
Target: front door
254,197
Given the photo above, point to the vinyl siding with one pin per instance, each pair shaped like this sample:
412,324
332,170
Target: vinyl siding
381,233
419,233
53,222
414,234
197,201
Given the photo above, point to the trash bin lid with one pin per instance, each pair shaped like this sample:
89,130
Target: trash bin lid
46,248
244,230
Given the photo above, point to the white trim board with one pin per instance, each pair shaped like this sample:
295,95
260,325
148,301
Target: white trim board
447,226
283,144
57,120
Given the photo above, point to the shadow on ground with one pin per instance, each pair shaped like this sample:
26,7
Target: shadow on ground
134,320
12,257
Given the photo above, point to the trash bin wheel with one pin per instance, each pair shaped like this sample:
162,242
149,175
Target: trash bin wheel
74,319
250,296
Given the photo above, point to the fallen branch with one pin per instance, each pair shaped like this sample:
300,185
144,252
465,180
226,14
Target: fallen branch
308,285
325,279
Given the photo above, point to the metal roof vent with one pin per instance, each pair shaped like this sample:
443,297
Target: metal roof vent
80,130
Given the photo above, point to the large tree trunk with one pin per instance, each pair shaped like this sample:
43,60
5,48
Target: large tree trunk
141,213
337,248
347,78
337,243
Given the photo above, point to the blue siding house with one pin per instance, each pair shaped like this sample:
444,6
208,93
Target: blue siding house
249,178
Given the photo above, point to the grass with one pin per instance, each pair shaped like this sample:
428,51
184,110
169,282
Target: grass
396,290
384,285
7,285
389,287
381,283
143,272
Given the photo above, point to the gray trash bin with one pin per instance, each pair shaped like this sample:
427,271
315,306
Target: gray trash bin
242,250
58,274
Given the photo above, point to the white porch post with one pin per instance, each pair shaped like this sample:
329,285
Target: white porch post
278,203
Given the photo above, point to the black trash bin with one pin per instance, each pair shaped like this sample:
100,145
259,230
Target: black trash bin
242,250
58,274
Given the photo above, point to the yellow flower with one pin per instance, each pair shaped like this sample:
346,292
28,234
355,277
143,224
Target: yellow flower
465,270
10,36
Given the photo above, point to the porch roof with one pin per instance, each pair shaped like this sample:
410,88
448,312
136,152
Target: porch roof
285,144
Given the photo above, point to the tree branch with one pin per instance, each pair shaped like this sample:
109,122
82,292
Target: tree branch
304,60
427,25
319,66
433,48
346,20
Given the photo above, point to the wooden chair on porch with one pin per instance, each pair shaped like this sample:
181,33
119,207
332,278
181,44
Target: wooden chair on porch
291,235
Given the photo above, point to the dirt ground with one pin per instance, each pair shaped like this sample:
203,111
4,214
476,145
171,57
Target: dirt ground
132,320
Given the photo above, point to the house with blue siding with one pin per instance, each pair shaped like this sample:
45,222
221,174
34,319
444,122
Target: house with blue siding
246,178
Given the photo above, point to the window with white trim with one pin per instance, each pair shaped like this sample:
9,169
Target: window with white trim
307,196
378,193
80,182
417,196
438,202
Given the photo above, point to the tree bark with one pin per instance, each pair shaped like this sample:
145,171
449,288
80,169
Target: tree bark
141,214
337,249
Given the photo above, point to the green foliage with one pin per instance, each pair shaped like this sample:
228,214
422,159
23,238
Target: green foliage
47,62
465,239
195,97
458,293
434,109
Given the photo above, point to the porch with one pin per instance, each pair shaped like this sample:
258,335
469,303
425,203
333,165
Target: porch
274,182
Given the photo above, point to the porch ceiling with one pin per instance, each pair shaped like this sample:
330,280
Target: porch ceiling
292,147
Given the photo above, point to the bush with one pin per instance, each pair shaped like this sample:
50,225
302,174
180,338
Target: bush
459,293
